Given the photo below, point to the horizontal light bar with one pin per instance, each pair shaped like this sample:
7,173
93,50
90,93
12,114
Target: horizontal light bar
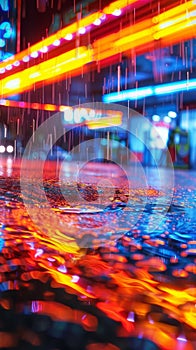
173,12
138,36
33,105
48,70
175,87
43,45
107,122
118,5
66,33
140,93
144,32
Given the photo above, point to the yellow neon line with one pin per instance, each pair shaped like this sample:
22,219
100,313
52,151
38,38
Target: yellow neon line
173,29
73,28
50,69
173,12
70,29
104,122
130,37
118,5
135,39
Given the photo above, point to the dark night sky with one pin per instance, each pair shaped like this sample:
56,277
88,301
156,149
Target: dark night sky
34,23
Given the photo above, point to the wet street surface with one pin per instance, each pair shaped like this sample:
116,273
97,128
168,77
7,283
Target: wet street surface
107,281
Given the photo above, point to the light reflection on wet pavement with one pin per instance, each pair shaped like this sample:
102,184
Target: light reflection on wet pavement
136,291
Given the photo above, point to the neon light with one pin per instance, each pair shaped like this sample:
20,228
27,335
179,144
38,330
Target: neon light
34,54
26,59
69,37
16,63
12,84
171,27
82,30
97,22
119,4
43,45
175,87
44,49
4,5
49,107
68,31
34,75
68,115
182,338
173,12
5,131
50,69
6,30
32,105
56,42
134,39
110,122
143,33
140,93
92,118
125,95
9,67
117,12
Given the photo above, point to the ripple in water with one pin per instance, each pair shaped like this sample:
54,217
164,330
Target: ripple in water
135,292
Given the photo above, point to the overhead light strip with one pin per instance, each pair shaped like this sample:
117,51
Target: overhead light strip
157,90
65,34
141,34
48,70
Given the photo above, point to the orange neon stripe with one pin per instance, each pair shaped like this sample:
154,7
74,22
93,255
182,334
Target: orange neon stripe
73,28
173,12
50,69
114,120
141,34
70,29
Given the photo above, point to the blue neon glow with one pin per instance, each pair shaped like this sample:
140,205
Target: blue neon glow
139,93
7,29
1,241
4,4
175,87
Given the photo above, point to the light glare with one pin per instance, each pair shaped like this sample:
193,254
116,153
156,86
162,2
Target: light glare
10,149
69,37
172,114
117,12
97,22
82,30
167,119
156,118
2,149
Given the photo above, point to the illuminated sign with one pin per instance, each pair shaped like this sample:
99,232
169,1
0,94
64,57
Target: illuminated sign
79,115
7,28
93,118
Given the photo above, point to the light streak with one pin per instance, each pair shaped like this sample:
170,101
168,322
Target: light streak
143,92
48,70
168,27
